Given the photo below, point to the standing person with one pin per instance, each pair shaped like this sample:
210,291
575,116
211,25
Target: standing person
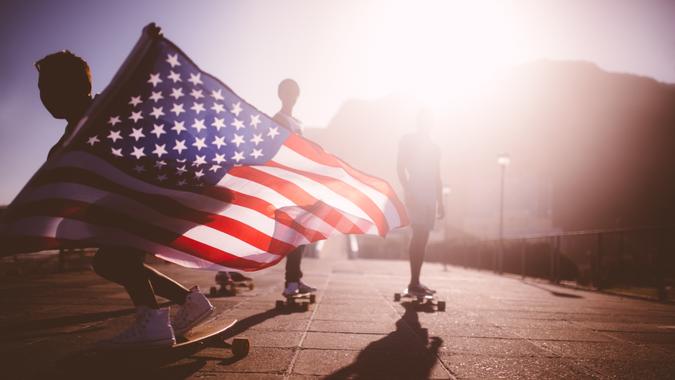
418,167
288,92
65,90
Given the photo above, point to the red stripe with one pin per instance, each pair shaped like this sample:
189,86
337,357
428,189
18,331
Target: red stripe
100,216
288,189
348,191
170,207
268,209
316,153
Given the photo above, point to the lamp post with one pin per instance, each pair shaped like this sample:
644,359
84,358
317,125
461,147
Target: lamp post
503,160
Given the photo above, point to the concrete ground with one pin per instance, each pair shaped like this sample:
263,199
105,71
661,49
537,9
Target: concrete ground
494,327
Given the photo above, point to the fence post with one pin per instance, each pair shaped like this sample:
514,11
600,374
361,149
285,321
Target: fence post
557,259
551,259
661,266
522,259
597,264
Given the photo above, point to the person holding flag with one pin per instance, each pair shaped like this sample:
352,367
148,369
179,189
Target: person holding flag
170,161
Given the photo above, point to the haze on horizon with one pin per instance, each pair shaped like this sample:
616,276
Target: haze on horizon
438,54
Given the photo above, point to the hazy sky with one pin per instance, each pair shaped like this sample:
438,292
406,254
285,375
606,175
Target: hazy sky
436,51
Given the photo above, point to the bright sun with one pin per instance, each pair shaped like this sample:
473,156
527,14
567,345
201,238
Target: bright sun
442,52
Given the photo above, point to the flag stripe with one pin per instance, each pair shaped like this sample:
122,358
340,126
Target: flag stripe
301,190
292,159
349,193
281,192
226,224
177,219
40,233
97,215
316,153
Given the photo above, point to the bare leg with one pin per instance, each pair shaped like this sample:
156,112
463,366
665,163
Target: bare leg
418,245
140,280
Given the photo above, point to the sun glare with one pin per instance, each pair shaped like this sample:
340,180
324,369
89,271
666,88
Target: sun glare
441,52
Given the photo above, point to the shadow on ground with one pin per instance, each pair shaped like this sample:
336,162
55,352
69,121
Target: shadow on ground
407,353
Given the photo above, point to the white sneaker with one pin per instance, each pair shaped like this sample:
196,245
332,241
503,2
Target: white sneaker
151,329
195,309
292,288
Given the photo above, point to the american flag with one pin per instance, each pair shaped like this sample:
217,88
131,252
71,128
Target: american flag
169,160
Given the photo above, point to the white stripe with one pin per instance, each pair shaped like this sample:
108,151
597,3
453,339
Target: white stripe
135,210
288,157
278,200
63,228
318,191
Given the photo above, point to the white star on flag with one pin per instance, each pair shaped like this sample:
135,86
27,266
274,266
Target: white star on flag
174,76
219,141
237,140
114,136
238,124
93,140
178,126
155,79
160,150
173,60
136,116
199,143
198,125
195,79
137,133
138,152
273,132
157,112
218,123
156,96
180,146
158,130
177,109
114,120
176,92
135,100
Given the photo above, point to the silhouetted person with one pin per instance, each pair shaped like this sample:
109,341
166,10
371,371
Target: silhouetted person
418,167
288,92
65,90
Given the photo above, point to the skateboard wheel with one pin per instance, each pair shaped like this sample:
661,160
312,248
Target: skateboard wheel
312,298
305,306
213,291
441,305
240,347
251,286
279,304
397,297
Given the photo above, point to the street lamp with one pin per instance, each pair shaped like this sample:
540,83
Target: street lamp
503,160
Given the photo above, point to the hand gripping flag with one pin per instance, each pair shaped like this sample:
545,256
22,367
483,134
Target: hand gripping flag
169,160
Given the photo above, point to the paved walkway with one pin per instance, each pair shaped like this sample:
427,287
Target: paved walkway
494,327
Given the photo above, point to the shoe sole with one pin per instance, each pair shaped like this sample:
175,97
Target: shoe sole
195,323
136,346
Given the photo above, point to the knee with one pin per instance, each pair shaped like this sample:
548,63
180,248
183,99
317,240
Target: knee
110,266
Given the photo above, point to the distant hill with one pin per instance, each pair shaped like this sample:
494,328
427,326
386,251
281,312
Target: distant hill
590,148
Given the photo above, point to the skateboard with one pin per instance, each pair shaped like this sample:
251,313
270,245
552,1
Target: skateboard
209,333
421,299
228,283
299,300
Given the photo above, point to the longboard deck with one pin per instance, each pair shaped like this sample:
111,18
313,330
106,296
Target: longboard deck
205,331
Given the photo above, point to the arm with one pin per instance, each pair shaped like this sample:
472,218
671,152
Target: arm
439,188
400,167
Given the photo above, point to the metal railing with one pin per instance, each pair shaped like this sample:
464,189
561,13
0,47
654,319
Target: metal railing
610,258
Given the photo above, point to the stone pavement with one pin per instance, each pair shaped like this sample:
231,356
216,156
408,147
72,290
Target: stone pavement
494,327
